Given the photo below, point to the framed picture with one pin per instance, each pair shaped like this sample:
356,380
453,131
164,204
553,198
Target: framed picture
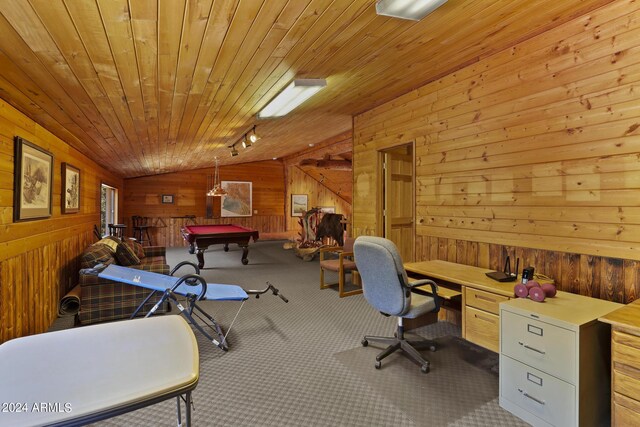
298,204
167,198
237,201
70,202
327,209
33,181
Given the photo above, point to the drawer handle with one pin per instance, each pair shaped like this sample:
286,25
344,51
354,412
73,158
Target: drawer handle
482,297
483,318
531,348
527,395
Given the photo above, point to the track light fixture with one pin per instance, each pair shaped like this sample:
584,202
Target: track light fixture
246,140
252,135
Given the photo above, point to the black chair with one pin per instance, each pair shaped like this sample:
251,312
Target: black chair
141,227
117,230
387,289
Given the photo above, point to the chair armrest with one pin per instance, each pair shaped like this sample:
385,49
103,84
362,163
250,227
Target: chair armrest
413,287
333,249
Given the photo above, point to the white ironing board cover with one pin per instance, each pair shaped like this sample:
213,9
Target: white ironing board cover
96,369
160,282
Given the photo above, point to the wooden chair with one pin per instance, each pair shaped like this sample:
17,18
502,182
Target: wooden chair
342,265
141,227
117,230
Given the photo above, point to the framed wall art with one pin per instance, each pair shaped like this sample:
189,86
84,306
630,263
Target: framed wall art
167,198
298,204
33,181
327,209
70,202
237,201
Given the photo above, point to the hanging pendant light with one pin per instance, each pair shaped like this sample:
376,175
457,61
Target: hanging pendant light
216,190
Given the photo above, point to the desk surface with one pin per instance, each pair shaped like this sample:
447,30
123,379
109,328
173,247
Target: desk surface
461,274
625,317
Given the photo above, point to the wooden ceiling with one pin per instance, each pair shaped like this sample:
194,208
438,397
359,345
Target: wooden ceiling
152,86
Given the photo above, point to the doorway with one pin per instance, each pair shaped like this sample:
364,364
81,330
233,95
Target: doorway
108,207
398,200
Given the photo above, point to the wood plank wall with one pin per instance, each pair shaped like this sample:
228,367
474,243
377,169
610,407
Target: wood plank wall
298,182
533,150
143,195
39,259
319,194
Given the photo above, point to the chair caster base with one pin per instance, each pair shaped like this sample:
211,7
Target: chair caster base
364,342
424,369
378,364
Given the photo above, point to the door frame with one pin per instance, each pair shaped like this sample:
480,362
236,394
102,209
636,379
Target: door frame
380,214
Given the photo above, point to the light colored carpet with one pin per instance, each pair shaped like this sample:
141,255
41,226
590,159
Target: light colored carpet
285,363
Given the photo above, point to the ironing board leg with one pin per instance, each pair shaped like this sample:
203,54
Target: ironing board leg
178,410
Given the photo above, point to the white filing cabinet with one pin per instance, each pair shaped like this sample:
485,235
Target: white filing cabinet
555,360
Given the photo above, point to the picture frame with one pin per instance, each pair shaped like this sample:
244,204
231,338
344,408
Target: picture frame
327,209
70,200
167,199
238,200
299,204
33,181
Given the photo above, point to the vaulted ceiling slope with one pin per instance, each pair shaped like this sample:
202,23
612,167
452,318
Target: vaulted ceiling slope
152,86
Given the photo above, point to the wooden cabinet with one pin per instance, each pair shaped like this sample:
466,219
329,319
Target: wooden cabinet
625,364
481,320
554,360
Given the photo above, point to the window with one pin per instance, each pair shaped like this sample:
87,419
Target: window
108,207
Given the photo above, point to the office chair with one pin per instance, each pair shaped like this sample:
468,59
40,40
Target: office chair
387,289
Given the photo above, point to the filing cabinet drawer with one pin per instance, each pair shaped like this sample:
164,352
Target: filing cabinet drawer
540,394
543,346
483,300
482,328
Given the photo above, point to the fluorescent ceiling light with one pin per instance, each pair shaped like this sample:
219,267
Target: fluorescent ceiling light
414,10
293,95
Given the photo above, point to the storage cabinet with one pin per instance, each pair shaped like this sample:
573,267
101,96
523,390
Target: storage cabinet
482,324
625,364
554,360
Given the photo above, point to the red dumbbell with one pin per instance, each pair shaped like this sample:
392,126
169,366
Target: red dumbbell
521,290
549,289
536,293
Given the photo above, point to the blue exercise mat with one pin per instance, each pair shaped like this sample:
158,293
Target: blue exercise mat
161,282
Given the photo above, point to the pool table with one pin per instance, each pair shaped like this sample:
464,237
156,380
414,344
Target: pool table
200,237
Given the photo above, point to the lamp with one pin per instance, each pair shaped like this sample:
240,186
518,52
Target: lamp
414,10
246,142
216,190
253,136
293,95
234,151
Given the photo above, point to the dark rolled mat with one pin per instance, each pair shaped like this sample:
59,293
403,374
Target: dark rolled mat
70,303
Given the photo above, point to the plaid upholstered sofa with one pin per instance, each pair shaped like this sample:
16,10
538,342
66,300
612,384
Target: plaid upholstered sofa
103,300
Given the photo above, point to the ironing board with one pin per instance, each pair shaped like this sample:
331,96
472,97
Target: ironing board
82,375
191,286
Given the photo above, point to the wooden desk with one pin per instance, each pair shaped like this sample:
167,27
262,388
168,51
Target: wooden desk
481,297
625,353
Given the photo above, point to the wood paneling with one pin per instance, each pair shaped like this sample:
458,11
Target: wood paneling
157,86
531,151
324,187
142,196
39,259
